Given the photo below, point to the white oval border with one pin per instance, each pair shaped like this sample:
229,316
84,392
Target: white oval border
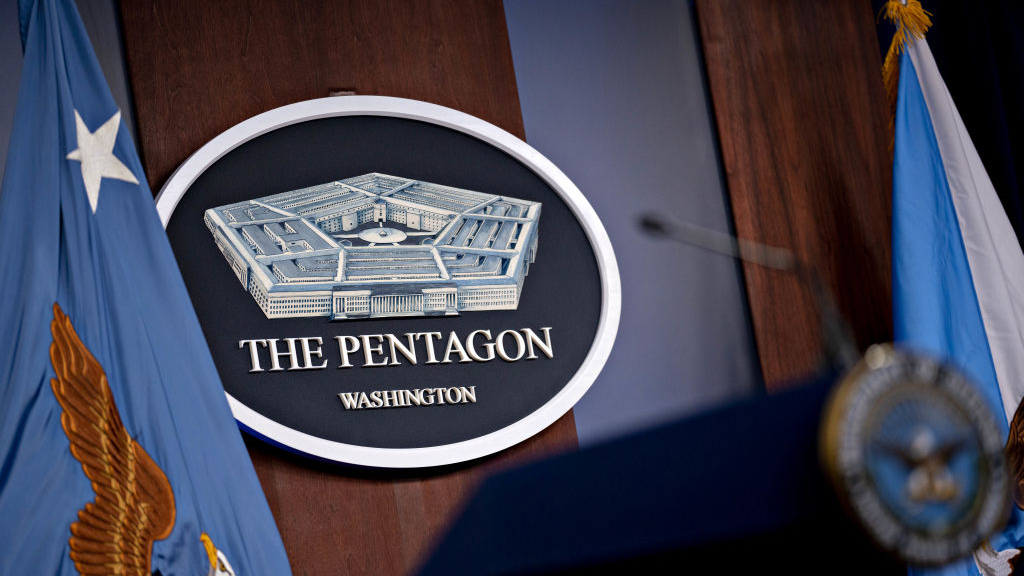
611,289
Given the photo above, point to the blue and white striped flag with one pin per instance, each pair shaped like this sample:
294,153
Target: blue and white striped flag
958,270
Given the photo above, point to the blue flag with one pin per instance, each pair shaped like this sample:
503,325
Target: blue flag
118,452
958,270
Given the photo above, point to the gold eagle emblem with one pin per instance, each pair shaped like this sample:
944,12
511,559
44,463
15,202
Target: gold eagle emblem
134,504
1014,452
989,561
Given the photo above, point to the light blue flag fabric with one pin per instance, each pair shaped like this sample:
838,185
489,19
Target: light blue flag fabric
958,270
80,230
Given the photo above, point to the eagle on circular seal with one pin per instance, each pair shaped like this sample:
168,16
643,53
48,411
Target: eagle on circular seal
916,456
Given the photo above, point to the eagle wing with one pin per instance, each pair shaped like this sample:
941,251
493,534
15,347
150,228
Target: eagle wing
1014,452
134,503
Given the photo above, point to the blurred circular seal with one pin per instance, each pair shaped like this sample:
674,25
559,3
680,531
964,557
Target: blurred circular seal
916,456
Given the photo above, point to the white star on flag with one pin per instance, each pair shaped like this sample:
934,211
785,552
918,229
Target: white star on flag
96,153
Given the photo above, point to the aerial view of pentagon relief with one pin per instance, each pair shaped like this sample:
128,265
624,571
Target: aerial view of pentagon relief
378,246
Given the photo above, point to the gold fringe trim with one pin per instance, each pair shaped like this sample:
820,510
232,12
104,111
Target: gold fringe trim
912,22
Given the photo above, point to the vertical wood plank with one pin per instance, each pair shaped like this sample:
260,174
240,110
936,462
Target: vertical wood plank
335,519
798,99
198,68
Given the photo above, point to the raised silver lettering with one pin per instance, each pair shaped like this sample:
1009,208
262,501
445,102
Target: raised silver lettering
453,395
346,345
428,341
254,356
545,345
396,346
454,345
292,354
488,346
368,350
520,346
308,352
349,399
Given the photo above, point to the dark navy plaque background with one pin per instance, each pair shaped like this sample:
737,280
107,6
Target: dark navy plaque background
562,290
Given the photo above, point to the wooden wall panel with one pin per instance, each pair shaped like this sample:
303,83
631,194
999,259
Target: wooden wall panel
336,519
798,99
198,67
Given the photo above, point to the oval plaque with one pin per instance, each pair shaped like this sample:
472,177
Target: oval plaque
387,282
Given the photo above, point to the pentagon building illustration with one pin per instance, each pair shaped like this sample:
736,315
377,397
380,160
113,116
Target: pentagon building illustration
378,246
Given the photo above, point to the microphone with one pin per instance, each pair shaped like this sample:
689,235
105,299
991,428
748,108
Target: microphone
840,348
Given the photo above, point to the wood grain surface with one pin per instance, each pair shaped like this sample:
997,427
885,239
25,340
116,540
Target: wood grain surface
199,67
798,99
336,519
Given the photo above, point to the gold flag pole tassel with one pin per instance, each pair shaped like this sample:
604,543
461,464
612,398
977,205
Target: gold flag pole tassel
911,21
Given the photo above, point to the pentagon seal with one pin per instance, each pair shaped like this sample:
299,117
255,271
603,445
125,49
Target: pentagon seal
916,456
390,283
